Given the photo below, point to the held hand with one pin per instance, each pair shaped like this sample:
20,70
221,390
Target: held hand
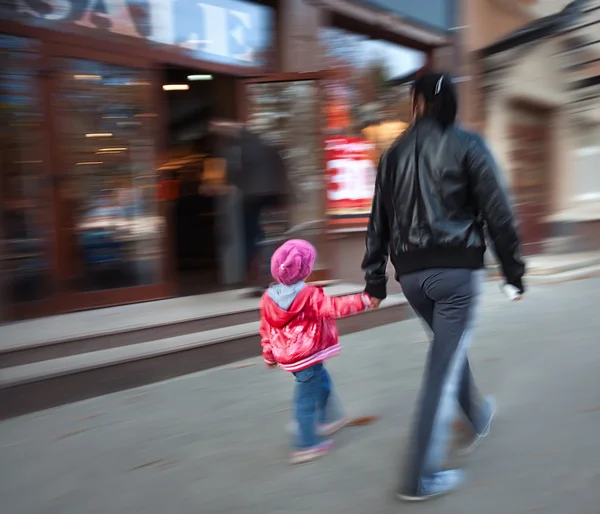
370,302
375,303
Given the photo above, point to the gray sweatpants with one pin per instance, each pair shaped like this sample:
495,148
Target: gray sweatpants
446,300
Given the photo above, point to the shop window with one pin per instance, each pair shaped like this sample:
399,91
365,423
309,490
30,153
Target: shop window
24,184
287,116
109,193
364,114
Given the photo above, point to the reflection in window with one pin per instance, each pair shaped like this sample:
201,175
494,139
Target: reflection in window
287,114
105,121
24,193
361,102
364,114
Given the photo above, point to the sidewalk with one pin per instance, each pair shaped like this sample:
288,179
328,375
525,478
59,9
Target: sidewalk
112,320
557,267
214,442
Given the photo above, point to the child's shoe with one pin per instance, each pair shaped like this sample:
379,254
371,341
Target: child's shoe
310,454
328,429
323,429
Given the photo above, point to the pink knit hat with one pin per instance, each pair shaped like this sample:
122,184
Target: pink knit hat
293,261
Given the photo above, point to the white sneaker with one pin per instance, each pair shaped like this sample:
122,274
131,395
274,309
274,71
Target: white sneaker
441,483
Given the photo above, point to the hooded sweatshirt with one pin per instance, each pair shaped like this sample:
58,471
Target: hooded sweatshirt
297,325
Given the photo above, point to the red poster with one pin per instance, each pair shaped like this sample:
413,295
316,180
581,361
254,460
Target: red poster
351,176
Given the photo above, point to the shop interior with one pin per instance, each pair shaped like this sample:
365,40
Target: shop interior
200,109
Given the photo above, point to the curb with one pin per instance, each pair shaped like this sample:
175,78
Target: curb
552,270
554,278
565,276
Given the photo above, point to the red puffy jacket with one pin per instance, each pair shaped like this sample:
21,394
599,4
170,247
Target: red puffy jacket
306,333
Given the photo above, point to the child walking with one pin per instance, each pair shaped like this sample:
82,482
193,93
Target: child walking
298,333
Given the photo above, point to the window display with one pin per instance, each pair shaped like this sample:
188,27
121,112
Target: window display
24,180
287,116
364,114
109,195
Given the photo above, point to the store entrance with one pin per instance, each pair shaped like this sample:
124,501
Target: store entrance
205,236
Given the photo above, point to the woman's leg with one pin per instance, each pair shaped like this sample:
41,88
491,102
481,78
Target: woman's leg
454,296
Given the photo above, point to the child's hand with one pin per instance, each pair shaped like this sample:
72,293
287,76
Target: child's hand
375,303
370,302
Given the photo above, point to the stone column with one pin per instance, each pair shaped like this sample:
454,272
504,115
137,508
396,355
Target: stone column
298,25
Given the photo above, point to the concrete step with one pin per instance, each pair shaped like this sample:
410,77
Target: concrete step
48,383
97,332
36,351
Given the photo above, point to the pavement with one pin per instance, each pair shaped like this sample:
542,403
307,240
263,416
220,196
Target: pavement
214,442
557,267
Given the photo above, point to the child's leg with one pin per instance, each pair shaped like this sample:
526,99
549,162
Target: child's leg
308,389
329,406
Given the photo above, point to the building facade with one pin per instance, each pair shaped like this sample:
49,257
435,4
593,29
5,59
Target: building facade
541,118
104,113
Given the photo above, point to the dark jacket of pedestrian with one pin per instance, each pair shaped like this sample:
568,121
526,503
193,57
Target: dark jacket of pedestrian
438,189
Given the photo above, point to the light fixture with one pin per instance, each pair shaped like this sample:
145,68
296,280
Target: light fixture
176,87
192,78
112,149
99,134
87,163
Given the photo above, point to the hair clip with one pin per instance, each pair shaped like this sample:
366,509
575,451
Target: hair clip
438,86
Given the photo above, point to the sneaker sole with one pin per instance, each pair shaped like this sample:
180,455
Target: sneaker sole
414,499
333,428
309,457
295,461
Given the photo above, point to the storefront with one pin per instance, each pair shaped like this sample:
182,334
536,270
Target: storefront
88,126
365,114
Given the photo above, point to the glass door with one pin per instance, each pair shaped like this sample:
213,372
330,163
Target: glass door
26,214
286,113
113,231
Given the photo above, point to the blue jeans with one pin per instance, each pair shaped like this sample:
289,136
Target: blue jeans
315,402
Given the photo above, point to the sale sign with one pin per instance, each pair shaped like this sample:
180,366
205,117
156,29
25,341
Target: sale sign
351,176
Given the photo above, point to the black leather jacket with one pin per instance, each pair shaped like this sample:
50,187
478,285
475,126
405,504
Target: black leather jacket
436,191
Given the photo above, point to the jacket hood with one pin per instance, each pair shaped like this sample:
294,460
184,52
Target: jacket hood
278,317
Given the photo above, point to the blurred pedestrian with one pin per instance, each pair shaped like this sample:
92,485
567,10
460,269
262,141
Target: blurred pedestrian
437,189
257,169
298,333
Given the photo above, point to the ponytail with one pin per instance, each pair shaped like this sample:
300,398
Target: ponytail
439,94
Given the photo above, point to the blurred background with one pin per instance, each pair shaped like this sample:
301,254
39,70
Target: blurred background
126,126
160,149
153,153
